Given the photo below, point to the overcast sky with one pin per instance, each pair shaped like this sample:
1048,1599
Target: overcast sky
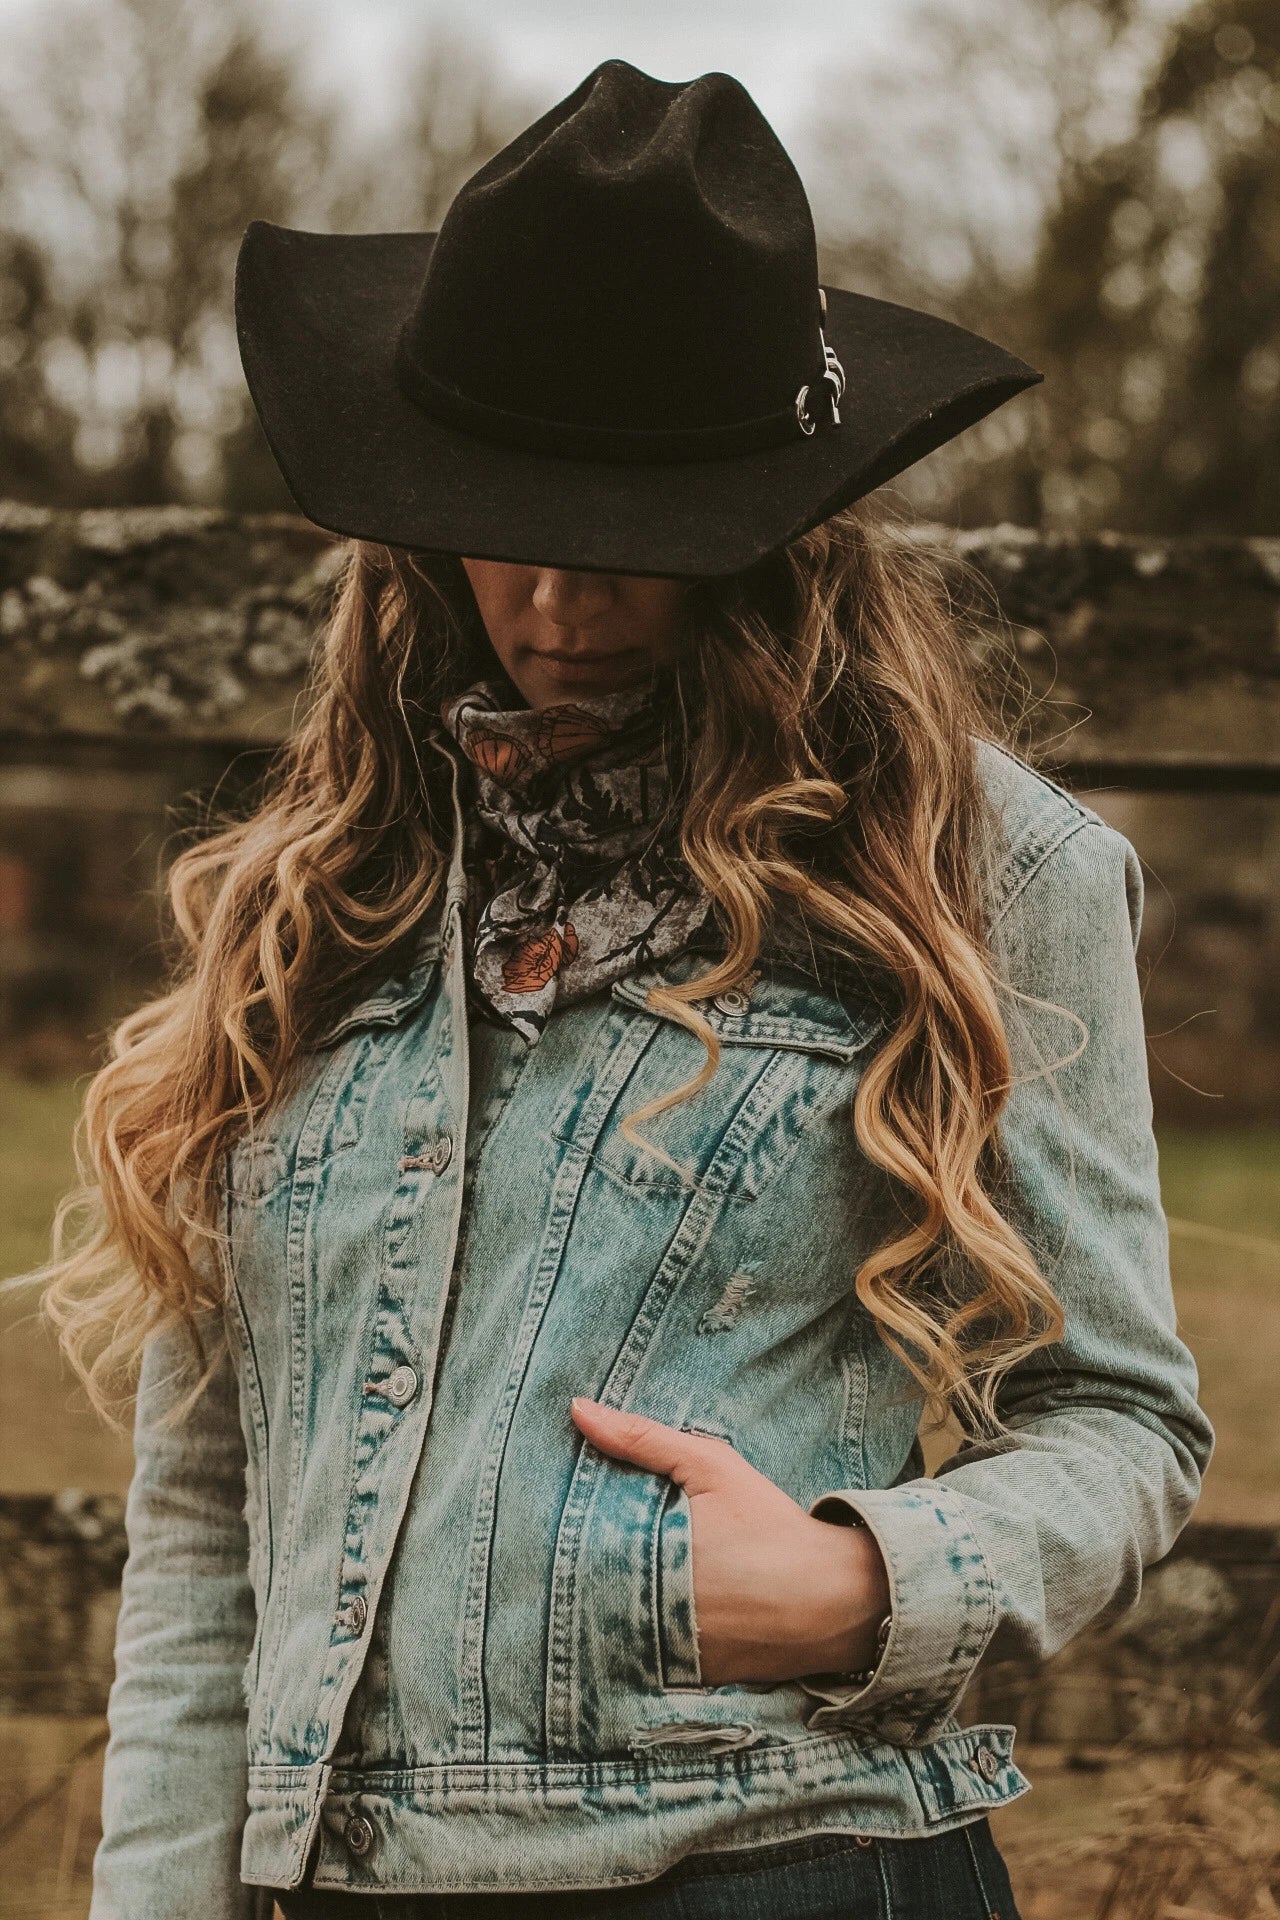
778,48
783,50
792,55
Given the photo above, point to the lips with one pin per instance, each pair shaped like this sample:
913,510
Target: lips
587,659
589,666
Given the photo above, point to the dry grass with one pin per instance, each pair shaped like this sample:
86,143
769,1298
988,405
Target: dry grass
49,1436
1171,1837
49,1826
1194,1835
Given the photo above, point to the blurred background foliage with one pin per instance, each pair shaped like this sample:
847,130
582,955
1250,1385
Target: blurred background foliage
1094,182
1097,183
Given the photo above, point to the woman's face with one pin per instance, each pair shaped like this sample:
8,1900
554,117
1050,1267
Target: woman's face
558,633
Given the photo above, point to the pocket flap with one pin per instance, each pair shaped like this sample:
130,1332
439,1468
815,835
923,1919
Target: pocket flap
779,1011
393,999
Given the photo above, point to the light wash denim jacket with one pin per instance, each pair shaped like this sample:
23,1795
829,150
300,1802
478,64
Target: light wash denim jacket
449,1645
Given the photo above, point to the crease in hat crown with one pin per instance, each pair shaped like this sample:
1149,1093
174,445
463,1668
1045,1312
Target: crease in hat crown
634,276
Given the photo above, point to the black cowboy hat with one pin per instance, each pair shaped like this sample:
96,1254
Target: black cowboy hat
615,353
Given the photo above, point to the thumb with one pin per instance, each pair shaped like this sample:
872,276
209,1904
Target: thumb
694,1461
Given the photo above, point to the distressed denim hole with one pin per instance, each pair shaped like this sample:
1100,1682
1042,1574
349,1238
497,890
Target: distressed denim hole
727,1310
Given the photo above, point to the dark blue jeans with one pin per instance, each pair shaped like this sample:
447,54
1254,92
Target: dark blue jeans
949,1876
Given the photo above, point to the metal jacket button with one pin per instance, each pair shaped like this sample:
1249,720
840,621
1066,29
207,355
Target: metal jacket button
358,1834
358,1615
732,1001
433,1159
401,1386
988,1764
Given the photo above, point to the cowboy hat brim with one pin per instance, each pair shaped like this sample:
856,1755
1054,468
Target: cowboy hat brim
319,317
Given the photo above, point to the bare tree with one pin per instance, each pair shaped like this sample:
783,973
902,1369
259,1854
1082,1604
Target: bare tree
136,164
131,170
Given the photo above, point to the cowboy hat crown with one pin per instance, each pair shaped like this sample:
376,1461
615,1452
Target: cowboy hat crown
635,276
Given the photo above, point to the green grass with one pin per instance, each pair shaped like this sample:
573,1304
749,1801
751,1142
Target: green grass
49,1436
36,1163
1229,1180
1222,1191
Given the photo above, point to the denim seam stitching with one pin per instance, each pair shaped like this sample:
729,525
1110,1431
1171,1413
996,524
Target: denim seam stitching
258,1417
383,1298
566,1196
886,1891
856,1380
1036,856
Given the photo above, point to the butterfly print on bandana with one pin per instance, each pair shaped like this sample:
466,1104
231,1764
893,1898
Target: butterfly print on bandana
531,965
506,759
567,732
572,856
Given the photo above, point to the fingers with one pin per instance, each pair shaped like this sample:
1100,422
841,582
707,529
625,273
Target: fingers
695,1461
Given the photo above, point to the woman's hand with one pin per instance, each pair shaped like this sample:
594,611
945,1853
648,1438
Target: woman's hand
778,1595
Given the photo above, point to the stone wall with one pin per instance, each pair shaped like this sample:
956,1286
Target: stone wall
1150,662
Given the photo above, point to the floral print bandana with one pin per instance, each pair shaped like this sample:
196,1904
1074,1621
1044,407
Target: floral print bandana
572,855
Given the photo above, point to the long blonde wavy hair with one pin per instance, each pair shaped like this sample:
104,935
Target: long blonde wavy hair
826,753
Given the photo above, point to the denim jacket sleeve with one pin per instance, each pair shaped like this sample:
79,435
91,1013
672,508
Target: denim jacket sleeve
1017,1544
174,1786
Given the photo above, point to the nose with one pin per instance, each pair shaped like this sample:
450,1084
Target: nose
569,599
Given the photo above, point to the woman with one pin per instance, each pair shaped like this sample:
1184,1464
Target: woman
646,1048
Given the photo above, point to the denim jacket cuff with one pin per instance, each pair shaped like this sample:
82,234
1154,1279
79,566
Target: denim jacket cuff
943,1613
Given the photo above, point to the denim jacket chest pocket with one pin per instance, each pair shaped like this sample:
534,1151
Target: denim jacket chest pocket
323,1116
790,1056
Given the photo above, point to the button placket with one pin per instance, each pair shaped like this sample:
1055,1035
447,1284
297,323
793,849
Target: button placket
732,1002
432,1159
